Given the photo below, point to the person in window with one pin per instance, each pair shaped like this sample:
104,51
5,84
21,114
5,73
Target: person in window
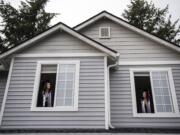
47,95
146,103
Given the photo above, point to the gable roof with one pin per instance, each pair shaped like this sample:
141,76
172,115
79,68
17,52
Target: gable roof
105,14
61,26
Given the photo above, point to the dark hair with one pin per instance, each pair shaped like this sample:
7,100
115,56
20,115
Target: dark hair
147,95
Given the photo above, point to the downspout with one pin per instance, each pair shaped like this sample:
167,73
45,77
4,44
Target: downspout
108,91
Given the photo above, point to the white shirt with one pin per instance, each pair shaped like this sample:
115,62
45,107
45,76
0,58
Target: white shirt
148,105
47,98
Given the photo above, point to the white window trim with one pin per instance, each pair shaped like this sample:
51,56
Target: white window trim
36,87
172,88
104,37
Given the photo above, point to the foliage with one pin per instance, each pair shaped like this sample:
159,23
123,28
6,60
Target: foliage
146,16
23,23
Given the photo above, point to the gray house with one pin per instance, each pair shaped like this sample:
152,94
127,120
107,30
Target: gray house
103,74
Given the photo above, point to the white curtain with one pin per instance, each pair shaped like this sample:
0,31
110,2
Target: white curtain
162,95
65,85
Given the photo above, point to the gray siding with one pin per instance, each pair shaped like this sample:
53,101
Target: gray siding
3,80
131,45
91,113
121,101
60,42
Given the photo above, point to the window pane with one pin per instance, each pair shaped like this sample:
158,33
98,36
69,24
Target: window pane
60,102
166,91
167,100
159,108
163,98
65,85
159,100
48,68
168,108
68,102
157,91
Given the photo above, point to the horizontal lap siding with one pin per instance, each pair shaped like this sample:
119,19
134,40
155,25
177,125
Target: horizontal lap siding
121,101
60,42
129,44
91,111
3,80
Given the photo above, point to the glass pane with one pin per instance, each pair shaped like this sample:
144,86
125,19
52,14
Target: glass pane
157,91
167,100
155,75
159,100
162,91
69,85
159,108
60,101
48,68
62,77
70,76
65,85
61,84
168,108
68,102
69,93
156,83
166,91
164,83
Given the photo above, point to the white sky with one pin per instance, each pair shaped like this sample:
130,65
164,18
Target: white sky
73,12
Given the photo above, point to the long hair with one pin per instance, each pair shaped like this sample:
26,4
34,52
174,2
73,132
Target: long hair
147,95
45,86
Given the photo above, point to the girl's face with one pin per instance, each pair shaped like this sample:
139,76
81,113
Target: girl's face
48,85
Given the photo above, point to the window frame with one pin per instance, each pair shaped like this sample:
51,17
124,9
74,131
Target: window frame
37,83
172,90
109,33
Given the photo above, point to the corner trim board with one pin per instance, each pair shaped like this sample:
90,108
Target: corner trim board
6,90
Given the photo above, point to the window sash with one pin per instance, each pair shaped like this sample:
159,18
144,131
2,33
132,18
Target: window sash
158,89
62,90
37,84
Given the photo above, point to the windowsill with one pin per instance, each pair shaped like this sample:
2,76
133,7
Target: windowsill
53,109
165,115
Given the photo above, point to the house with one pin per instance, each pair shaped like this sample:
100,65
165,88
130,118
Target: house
102,74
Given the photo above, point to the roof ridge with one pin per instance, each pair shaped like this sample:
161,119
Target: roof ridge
104,11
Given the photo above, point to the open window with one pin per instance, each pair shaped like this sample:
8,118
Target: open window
56,86
153,93
144,99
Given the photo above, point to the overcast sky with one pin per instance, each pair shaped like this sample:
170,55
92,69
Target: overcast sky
73,12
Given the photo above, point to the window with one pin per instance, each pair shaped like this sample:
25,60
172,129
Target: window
104,32
56,86
153,93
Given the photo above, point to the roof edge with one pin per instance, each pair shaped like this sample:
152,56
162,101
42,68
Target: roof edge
67,29
128,26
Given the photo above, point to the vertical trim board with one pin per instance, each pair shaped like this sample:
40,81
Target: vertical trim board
6,90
